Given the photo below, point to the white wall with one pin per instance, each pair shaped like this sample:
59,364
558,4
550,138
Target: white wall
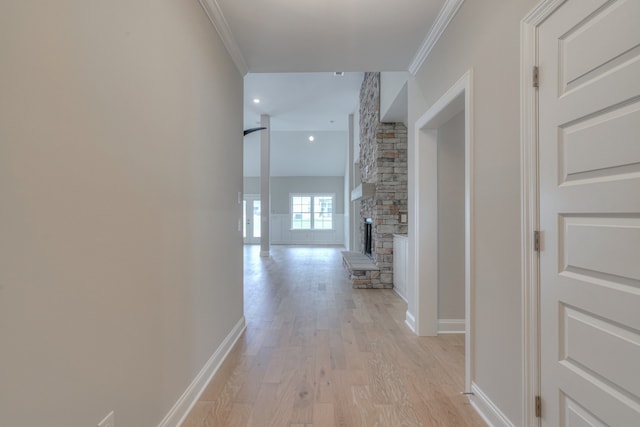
282,187
354,220
348,184
394,96
282,234
120,163
251,185
280,224
356,139
485,36
292,154
451,219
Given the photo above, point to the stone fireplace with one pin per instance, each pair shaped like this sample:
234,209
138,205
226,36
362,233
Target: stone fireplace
367,237
383,166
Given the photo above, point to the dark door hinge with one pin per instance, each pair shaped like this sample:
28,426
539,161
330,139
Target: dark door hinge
536,241
536,76
538,407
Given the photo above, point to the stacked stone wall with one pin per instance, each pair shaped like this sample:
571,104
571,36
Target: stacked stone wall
383,162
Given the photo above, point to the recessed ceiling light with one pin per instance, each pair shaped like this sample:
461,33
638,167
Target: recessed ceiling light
311,138
256,100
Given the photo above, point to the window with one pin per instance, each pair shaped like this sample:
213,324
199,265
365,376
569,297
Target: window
312,211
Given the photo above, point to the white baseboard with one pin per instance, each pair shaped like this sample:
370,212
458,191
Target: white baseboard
410,320
451,326
489,412
183,406
400,295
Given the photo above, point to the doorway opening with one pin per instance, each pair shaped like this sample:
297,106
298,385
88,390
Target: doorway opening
451,157
452,109
251,213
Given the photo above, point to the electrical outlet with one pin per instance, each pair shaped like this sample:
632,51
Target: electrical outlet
109,421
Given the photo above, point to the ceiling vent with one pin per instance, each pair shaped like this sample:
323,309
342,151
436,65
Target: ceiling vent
338,73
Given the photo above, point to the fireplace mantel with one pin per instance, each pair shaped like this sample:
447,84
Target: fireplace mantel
366,189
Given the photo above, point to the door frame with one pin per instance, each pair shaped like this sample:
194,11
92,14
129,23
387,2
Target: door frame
423,238
530,207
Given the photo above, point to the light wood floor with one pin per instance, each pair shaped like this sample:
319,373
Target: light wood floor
318,353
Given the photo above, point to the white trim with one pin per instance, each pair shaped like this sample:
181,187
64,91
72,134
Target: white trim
423,240
530,208
183,406
469,235
214,13
400,295
487,409
451,326
448,11
410,321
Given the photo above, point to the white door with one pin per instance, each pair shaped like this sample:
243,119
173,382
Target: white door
251,220
589,112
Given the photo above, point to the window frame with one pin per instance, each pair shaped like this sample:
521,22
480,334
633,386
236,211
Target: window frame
312,212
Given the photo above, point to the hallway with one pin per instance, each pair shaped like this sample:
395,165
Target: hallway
318,353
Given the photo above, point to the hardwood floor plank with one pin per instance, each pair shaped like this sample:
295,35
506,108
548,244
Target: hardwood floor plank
198,413
304,391
266,406
239,415
323,415
345,414
317,353
323,381
365,409
322,316
252,382
279,363
336,347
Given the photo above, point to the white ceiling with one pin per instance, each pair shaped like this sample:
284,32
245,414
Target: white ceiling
301,101
292,154
291,49
275,36
300,105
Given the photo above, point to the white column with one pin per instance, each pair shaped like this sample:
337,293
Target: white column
265,190
351,206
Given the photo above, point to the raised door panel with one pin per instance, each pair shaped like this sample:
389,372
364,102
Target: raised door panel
590,214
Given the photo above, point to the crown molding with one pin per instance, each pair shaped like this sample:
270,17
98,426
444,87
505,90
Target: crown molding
214,13
448,11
